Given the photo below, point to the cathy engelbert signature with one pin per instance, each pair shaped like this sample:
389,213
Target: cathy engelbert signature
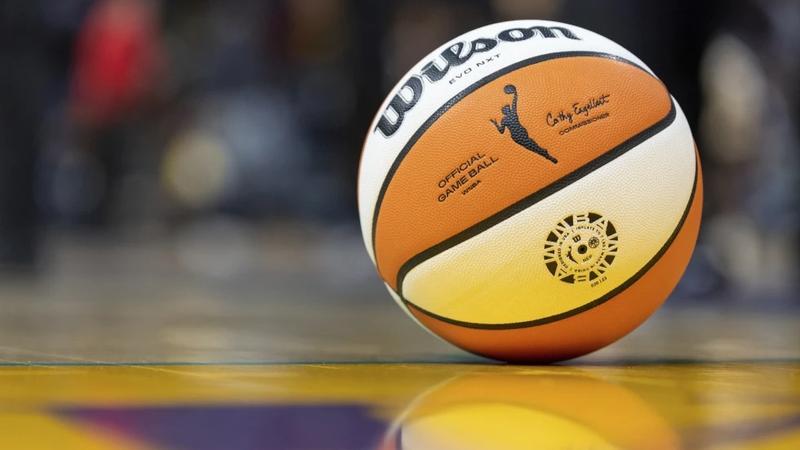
578,109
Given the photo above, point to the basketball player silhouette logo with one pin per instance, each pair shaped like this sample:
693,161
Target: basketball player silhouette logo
519,134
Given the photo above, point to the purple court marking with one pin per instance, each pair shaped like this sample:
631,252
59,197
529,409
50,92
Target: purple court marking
256,427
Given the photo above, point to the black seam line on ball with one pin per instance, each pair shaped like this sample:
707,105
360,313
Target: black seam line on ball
458,97
611,294
535,197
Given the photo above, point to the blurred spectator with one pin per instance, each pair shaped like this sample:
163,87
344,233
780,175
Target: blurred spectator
117,58
118,63
24,83
749,129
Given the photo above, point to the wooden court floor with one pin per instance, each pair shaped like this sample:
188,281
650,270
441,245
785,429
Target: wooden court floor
111,352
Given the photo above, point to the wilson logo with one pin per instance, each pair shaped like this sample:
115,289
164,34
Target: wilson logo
457,54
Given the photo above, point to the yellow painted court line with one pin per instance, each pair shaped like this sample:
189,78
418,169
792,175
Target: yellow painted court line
38,431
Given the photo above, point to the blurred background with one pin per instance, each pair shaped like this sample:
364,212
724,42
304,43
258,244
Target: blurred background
183,172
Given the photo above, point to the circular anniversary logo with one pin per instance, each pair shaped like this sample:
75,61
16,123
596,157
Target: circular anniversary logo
581,248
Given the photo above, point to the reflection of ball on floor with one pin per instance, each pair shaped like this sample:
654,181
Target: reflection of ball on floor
537,229
528,411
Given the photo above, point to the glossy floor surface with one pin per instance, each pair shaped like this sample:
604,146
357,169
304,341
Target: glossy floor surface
123,351
401,406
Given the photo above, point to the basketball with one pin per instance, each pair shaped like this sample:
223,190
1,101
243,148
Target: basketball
530,191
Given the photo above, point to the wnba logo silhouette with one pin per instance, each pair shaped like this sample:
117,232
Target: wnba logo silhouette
519,134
